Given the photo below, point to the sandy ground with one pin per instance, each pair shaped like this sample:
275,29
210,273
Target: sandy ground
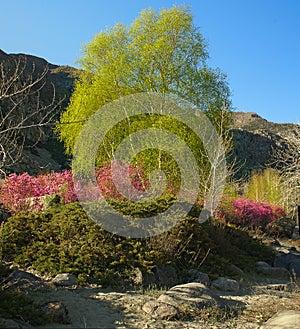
98,308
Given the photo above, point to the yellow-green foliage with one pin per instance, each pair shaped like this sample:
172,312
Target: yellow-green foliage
265,186
159,52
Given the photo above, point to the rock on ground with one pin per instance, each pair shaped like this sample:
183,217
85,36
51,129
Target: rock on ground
190,294
283,320
162,311
64,279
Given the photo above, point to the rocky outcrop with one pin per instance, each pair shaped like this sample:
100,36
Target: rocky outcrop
258,141
41,150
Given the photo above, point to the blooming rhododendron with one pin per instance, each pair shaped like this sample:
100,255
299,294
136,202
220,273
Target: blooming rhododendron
251,213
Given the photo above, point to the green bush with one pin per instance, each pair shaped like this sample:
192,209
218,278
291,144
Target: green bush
65,239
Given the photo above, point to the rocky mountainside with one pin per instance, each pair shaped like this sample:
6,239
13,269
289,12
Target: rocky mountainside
256,139
41,150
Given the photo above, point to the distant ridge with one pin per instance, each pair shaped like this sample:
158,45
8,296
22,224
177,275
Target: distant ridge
256,139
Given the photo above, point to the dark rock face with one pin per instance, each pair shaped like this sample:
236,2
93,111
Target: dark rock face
42,152
255,138
256,141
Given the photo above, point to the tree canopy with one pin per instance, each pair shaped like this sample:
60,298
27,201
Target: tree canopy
159,52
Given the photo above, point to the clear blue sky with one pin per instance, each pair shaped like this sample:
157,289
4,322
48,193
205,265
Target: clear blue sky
255,42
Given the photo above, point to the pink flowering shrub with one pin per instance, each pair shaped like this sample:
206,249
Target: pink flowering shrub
22,192
249,213
17,189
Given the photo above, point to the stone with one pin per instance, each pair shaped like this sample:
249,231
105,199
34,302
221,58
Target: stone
14,324
262,264
294,267
23,281
65,279
191,294
196,276
57,312
281,228
226,284
287,319
290,261
162,311
275,272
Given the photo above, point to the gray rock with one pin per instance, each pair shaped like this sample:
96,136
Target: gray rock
22,280
57,312
284,259
64,279
191,294
262,264
162,311
196,276
275,272
14,324
283,320
226,284
294,267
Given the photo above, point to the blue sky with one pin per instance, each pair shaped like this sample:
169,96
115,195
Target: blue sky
256,43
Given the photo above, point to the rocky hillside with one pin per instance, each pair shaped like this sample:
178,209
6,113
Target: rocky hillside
258,141
41,152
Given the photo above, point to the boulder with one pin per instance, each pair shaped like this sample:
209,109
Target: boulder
294,267
226,284
23,281
57,312
261,264
276,272
281,228
191,294
162,311
288,319
65,279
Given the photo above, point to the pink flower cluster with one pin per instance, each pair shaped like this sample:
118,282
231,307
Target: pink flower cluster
16,190
255,213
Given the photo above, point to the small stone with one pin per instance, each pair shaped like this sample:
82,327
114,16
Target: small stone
64,279
162,311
